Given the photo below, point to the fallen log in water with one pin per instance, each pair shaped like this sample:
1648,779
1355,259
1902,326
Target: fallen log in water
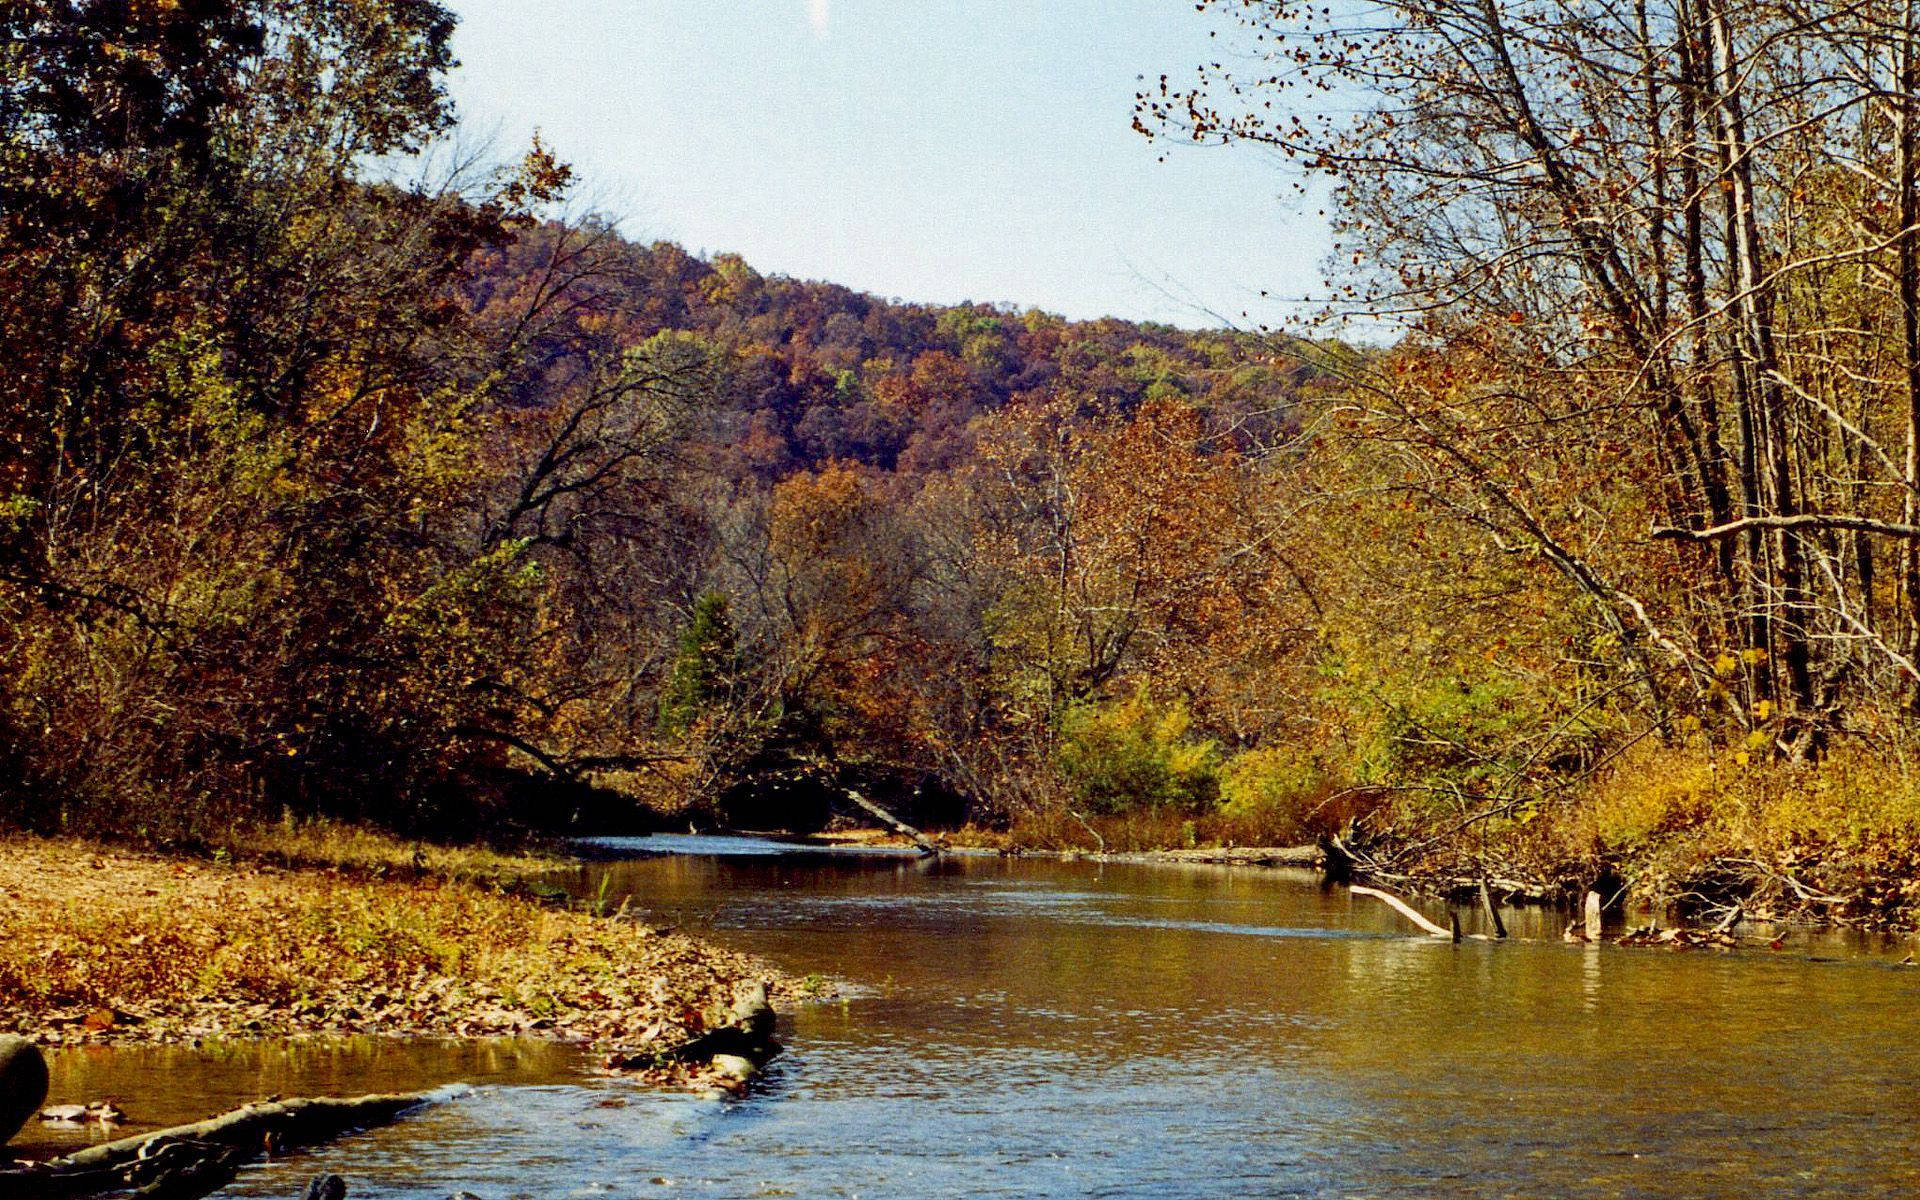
927,848
1245,856
746,1033
1406,910
1430,928
1224,856
1492,910
187,1162
326,1187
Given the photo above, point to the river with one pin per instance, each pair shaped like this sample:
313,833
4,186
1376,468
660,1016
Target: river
1026,1028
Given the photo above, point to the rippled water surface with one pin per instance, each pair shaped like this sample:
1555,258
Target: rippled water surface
1021,1028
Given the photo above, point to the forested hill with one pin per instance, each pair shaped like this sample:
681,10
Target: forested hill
805,536
322,495
818,373
417,504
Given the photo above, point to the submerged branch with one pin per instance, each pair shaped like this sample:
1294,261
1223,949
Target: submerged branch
185,1162
1406,910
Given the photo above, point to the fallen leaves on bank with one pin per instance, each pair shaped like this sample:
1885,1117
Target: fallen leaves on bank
110,946
1680,937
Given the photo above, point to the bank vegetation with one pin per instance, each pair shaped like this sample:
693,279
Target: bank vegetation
108,946
346,476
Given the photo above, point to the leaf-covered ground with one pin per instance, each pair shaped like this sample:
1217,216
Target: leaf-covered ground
105,945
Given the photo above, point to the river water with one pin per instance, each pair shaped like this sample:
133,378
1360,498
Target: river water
1021,1028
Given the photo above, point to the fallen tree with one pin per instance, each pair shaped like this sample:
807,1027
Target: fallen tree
1408,911
186,1162
1431,928
1227,856
927,848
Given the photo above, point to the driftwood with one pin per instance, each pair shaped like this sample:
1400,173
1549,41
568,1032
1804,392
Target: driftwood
1247,856
1336,861
1492,910
1730,920
186,1162
1226,856
326,1187
1465,889
927,848
746,1033
1412,914
1099,843
1406,910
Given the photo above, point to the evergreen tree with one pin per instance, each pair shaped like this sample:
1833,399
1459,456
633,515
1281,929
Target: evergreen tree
704,664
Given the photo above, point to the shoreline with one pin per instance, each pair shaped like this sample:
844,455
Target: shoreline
973,845
110,946
1436,883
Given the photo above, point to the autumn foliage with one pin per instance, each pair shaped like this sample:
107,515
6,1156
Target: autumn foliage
342,476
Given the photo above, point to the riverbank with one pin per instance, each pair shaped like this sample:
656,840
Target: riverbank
1698,831
1809,857
1027,1027
104,945
975,840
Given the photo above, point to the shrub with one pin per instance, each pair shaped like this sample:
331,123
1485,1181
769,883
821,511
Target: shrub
1662,795
1137,754
1276,788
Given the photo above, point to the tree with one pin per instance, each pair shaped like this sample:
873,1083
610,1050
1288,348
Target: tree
704,665
234,367
1659,272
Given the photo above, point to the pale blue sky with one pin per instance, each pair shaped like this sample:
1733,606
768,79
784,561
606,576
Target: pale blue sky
932,150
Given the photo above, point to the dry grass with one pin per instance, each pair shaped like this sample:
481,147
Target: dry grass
339,847
1832,841
1143,829
107,945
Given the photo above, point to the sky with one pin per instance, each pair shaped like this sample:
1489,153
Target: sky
926,150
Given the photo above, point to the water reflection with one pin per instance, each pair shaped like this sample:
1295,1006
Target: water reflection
1026,1028
171,1085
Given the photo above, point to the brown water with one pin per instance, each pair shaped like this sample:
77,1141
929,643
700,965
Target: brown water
1021,1028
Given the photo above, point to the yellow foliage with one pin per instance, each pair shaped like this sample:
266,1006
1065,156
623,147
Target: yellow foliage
1136,753
1654,799
1273,783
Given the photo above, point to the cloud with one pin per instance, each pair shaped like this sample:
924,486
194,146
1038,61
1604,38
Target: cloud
817,15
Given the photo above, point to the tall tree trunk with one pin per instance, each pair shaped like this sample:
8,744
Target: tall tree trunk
1769,450
1907,274
1716,471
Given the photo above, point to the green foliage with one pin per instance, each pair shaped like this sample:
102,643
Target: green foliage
705,663
1453,729
235,562
329,494
1135,753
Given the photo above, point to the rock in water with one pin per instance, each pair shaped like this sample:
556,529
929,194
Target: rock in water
23,1084
734,1067
327,1187
753,1013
